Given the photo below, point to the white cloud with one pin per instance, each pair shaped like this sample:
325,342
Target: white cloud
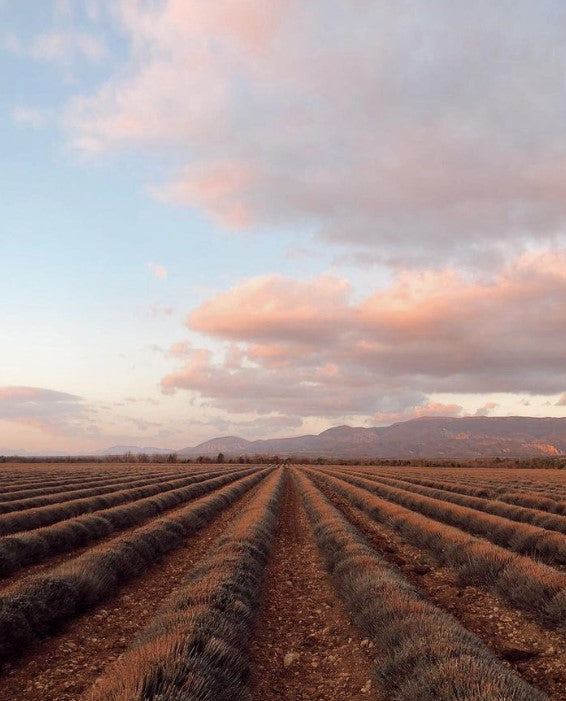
422,131
158,271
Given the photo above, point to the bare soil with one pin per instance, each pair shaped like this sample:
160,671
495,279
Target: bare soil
304,647
303,625
7,582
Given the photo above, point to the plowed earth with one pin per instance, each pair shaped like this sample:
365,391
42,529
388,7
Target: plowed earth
304,646
62,667
519,641
302,617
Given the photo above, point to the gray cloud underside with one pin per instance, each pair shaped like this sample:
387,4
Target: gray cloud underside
424,131
305,348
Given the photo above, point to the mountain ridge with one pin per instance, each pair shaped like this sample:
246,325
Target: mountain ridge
425,437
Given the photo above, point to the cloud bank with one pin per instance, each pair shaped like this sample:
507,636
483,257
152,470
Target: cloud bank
46,409
305,348
424,131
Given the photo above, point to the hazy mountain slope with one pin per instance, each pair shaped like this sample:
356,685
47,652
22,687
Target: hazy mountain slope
134,449
425,437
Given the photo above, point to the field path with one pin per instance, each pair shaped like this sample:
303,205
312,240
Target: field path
302,616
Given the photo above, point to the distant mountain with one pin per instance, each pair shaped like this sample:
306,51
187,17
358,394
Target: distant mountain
104,452
427,437
230,445
134,449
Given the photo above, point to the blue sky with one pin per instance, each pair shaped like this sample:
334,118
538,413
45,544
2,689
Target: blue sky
348,216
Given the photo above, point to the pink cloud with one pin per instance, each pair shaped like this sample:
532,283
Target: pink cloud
34,418
289,391
377,126
218,189
158,271
417,412
486,409
307,348
49,410
273,307
181,349
29,395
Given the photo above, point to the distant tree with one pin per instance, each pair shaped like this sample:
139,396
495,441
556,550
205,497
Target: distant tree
220,457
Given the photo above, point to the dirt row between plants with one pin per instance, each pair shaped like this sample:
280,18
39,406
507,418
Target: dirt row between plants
9,581
65,666
305,647
535,652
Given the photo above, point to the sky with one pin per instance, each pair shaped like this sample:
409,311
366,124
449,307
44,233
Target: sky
265,217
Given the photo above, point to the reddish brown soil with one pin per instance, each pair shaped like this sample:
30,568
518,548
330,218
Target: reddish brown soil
9,581
301,616
62,668
508,633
